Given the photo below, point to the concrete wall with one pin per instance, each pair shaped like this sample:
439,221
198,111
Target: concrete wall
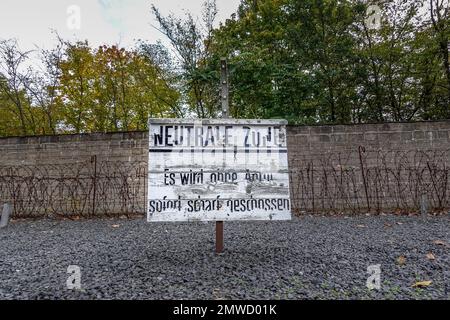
391,167
334,168
388,136
128,146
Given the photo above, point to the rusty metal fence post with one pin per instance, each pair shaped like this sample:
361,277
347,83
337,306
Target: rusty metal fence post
362,150
94,183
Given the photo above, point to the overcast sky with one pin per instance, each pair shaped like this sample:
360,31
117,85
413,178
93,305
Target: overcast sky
102,21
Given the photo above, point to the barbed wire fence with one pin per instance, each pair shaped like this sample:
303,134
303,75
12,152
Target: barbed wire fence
355,182
372,181
80,189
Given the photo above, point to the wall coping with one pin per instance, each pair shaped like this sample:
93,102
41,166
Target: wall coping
135,133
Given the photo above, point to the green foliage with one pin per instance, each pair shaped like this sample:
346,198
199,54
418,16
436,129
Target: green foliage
9,118
315,61
308,61
112,89
83,90
191,42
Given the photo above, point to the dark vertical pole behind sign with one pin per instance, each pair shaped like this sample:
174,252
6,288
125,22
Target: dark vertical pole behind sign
225,114
225,89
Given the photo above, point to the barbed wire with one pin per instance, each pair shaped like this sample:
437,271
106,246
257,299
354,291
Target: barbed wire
373,181
81,189
356,182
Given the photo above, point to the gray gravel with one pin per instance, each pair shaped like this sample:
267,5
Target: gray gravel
307,258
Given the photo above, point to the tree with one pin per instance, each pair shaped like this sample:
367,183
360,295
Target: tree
10,124
321,33
112,89
316,61
440,20
291,59
42,86
12,79
264,79
158,76
191,48
77,94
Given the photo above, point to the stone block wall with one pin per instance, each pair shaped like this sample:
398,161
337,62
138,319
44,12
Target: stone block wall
334,169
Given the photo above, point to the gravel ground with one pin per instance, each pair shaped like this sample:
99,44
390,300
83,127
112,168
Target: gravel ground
306,258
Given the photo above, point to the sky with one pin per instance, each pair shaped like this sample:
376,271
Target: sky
99,21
